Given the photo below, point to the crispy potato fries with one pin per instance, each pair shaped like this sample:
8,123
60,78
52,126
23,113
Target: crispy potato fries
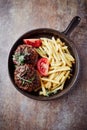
60,61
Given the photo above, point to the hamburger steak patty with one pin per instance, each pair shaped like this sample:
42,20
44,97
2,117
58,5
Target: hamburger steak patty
27,78
25,54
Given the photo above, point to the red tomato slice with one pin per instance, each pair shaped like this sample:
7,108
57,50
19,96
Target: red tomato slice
33,42
43,66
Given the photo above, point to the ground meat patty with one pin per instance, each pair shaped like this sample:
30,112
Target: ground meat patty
27,78
25,54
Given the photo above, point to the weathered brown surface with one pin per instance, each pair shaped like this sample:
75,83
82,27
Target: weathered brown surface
18,112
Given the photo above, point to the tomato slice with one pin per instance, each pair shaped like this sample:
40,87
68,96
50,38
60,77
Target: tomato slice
33,42
43,66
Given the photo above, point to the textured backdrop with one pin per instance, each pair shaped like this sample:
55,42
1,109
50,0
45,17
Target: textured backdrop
18,112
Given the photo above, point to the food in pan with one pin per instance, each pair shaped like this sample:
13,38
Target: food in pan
49,60
60,65
27,78
43,66
33,42
25,54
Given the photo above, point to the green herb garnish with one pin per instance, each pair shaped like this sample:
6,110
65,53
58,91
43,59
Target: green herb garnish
25,80
19,58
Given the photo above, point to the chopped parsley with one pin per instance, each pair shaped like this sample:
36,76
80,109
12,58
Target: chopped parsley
19,58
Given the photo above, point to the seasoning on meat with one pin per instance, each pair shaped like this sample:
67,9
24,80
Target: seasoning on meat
25,54
27,78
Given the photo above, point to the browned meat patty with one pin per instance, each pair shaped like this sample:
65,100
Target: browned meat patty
25,54
27,78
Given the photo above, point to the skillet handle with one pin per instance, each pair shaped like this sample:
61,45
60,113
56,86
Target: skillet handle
74,22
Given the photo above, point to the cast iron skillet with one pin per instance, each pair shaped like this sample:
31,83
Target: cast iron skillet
49,33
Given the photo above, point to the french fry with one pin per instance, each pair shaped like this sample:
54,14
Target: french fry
60,61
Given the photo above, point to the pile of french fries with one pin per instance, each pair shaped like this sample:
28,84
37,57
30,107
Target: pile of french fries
60,61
